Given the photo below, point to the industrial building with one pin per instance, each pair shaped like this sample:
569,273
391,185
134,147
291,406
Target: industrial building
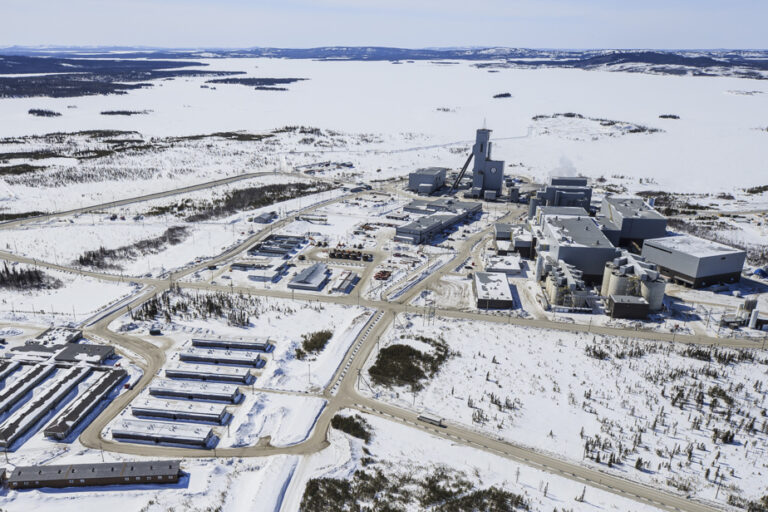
222,357
513,238
628,220
542,212
695,261
79,409
564,285
313,278
277,246
562,191
261,345
577,241
426,181
630,275
99,474
346,282
487,174
210,373
57,335
439,216
509,265
626,306
180,410
492,291
188,390
154,432
85,352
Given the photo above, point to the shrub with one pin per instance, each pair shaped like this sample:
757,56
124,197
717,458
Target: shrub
355,426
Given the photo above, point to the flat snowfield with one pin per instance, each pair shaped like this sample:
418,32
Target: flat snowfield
719,140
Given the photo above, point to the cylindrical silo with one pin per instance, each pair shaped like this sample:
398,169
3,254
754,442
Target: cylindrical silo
653,293
606,279
618,285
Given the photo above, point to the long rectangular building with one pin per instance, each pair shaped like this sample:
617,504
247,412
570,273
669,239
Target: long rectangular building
84,475
183,434
50,395
12,394
179,410
211,373
261,345
82,406
222,357
695,261
188,390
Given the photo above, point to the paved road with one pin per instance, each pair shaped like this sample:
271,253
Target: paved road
341,392
139,199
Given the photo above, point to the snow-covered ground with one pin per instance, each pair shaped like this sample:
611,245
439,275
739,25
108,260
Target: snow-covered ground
398,450
541,388
77,299
62,240
408,130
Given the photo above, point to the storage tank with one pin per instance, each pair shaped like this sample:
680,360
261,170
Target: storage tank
753,319
653,293
606,279
618,285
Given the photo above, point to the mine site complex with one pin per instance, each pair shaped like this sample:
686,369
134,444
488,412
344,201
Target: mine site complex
272,319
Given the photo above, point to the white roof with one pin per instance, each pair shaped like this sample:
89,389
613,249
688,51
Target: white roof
493,286
161,428
207,369
693,245
195,386
179,406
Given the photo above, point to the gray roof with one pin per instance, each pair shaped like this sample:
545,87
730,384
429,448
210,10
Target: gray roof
100,470
76,351
636,207
563,210
315,273
579,231
430,171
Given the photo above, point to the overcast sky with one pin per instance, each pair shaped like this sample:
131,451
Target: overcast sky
402,23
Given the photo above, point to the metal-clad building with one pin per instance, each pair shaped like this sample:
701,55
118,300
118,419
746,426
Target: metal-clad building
427,181
312,278
82,475
633,218
557,194
487,174
694,261
626,306
492,291
439,215
579,242
180,410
